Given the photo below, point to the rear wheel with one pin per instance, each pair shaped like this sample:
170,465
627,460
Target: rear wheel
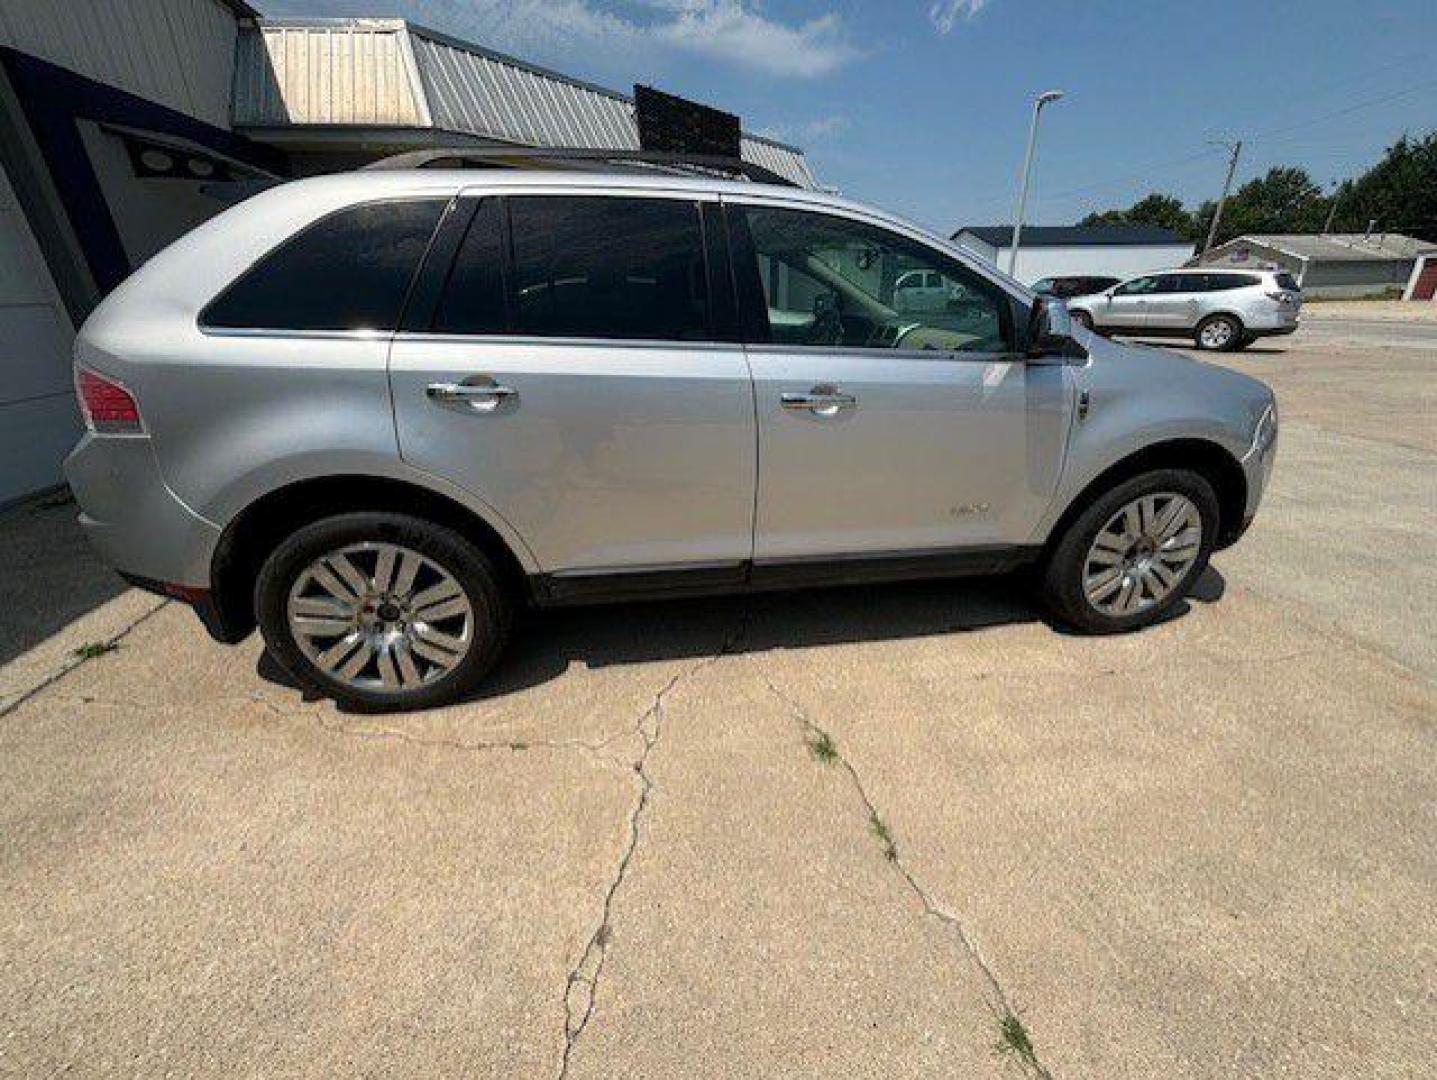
1133,554
382,611
1219,333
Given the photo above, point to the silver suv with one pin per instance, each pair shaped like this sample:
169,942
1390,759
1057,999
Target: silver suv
379,413
1221,310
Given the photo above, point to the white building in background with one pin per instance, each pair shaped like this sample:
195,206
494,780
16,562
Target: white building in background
124,123
1120,251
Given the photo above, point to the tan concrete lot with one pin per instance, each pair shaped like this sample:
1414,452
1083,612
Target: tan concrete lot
1204,850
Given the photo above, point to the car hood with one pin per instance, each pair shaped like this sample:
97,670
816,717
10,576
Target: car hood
1227,396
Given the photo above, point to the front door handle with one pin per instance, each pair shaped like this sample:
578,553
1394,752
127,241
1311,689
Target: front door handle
481,397
822,400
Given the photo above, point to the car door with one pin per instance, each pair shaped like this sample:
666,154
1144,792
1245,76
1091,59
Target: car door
883,432
1126,307
1173,305
569,371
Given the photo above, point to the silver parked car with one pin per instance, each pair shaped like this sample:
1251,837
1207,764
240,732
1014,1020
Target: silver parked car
378,413
1221,310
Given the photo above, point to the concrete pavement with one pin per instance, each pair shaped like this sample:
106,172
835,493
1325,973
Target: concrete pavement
842,833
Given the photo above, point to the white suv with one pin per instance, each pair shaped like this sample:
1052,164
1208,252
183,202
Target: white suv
1221,310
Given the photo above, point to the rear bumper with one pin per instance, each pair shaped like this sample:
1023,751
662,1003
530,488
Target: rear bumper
1273,331
132,518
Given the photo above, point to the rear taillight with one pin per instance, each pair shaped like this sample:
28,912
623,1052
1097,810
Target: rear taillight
109,408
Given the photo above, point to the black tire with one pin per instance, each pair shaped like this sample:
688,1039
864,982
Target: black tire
1234,333
492,608
1062,581
1244,341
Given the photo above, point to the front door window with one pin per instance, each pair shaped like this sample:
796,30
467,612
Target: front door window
833,282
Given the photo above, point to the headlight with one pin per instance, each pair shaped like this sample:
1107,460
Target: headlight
1266,430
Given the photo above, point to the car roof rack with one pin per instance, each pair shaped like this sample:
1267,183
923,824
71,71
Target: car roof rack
527,157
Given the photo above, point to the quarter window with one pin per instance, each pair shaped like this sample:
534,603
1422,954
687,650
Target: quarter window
608,267
823,281
347,271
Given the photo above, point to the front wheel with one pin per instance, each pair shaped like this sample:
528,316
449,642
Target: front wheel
1132,555
382,611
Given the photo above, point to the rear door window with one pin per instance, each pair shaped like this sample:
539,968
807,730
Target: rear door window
608,267
348,271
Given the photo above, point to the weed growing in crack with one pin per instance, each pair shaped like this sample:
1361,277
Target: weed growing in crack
1013,1039
879,828
823,747
93,649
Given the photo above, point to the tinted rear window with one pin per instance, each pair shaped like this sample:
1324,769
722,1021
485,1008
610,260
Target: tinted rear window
608,267
1287,281
348,271
1223,282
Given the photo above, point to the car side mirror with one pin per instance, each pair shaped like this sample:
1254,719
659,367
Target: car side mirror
1050,331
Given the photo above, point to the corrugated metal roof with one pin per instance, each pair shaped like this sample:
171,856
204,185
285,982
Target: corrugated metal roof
393,73
1076,235
1335,247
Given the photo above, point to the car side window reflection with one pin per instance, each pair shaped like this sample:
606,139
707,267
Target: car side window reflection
1137,287
831,281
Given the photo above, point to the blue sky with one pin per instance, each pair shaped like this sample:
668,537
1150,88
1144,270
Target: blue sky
921,106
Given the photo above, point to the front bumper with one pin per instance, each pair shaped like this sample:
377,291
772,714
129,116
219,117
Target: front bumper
132,518
1257,466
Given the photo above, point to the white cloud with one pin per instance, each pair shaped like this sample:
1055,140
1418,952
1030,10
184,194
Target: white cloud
735,32
819,130
732,31
945,14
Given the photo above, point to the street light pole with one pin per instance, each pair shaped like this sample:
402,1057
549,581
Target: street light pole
1043,99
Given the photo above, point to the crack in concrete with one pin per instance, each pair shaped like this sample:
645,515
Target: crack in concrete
999,1001
582,986
76,661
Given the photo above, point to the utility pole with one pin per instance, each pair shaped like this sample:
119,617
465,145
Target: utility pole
1233,149
1332,209
1042,99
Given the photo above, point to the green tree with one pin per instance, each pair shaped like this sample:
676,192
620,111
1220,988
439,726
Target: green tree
1400,192
1155,209
1285,200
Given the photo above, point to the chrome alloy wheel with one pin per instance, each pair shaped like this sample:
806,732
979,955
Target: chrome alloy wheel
1216,334
1144,552
378,616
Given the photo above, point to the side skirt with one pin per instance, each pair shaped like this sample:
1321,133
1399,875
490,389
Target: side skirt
605,587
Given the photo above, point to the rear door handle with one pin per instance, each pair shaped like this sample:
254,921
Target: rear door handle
481,397
823,400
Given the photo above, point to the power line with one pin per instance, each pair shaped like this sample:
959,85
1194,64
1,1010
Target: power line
1344,111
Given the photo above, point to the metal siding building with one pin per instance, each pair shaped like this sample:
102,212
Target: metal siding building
1331,265
309,82
118,117
176,53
